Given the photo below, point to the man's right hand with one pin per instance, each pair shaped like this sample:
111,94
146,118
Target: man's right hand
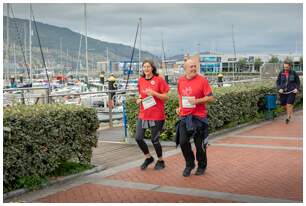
281,91
177,110
138,101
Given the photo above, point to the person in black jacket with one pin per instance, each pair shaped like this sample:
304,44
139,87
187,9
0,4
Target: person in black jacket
288,84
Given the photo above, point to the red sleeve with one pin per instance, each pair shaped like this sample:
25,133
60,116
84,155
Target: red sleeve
178,85
207,89
163,87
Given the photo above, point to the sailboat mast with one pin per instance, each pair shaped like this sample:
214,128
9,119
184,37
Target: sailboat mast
107,60
7,40
233,40
85,15
15,65
30,42
140,29
67,58
61,56
234,65
79,59
25,39
164,55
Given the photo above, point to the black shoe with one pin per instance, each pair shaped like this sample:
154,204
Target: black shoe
146,163
287,121
160,164
187,171
200,171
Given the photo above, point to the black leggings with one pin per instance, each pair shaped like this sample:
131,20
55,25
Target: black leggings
155,131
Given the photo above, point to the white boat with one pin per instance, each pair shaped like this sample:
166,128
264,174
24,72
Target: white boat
94,99
103,117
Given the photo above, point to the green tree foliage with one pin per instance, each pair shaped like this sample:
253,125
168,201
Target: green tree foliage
274,59
242,63
258,63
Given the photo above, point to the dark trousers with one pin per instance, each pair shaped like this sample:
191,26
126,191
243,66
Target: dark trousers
155,132
198,136
287,98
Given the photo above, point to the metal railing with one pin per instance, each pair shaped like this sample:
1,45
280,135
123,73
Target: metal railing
46,98
50,98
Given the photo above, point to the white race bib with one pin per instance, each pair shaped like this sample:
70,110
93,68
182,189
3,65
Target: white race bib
148,102
186,103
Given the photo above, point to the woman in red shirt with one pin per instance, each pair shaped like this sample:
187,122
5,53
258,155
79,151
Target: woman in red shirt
153,91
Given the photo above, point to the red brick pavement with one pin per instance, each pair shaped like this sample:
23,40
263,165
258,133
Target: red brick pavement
271,173
260,172
268,142
279,128
107,194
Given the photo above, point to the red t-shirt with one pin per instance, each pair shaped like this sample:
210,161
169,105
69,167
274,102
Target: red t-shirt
159,85
286,73
197,87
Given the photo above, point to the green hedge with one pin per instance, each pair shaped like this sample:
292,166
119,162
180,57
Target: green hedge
232,106
37,139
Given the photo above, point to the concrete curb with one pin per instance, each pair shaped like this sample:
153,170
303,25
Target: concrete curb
60,180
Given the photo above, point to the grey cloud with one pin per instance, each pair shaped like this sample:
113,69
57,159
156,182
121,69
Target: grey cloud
258,28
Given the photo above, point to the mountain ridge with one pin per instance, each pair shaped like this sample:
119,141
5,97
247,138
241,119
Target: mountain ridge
51,35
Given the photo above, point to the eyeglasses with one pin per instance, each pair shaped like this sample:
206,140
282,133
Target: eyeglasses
193,66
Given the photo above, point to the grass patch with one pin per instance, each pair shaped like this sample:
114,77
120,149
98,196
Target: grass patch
68,168
35,181
31,182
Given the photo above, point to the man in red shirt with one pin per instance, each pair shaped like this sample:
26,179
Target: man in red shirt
194,92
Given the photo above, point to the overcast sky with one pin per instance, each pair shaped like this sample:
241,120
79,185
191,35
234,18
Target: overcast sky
258,28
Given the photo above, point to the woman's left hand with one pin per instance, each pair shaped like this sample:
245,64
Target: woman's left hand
150,92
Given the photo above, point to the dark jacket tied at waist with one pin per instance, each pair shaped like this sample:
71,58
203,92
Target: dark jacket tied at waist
193,125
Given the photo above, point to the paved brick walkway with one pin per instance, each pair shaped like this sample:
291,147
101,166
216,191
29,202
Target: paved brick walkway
262,163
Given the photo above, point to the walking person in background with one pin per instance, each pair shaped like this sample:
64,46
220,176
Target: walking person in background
288,84
194,92
153,91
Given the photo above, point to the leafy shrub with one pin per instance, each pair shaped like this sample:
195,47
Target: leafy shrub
233,105
38,138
